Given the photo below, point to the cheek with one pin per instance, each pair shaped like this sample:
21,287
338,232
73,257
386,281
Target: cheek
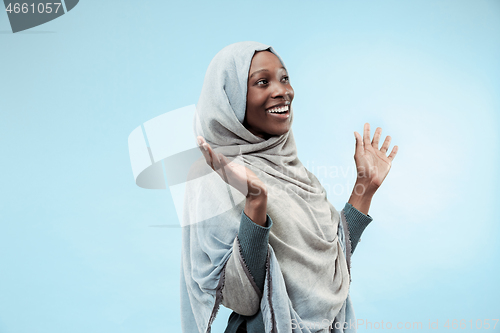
254,107
260,99
254,99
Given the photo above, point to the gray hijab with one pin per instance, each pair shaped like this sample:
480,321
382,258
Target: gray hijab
307,279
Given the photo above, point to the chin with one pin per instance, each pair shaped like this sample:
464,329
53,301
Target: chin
280,132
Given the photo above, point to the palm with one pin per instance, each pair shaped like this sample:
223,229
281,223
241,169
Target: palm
372,163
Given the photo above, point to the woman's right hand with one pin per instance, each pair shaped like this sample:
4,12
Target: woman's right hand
236,175
241,178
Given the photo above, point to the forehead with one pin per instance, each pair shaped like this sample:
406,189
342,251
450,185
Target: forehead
265,60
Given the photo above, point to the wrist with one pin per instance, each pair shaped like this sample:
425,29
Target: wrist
256,209
257,190
257,198
364,188
362,195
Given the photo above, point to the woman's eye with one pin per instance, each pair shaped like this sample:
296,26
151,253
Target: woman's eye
286,78
261,82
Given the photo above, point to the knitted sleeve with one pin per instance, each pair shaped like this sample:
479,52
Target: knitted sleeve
254,240
356,224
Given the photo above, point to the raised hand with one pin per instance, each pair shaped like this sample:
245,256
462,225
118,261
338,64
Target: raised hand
234,174
372,163
241,178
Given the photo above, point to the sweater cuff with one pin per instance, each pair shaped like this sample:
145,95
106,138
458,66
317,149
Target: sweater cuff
254,240
356,223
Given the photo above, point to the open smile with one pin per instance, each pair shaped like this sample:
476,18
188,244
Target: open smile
279,111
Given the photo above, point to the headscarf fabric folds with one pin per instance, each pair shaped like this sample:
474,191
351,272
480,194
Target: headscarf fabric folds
307,278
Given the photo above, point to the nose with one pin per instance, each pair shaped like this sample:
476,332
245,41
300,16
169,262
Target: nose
280,91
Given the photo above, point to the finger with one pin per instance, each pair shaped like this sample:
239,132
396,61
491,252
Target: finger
214,160
206,153
225,162
393,153
222,165
386,144
376,137
366,134
359,143
201,142
204,150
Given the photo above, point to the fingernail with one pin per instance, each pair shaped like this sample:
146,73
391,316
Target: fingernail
205,147
199,141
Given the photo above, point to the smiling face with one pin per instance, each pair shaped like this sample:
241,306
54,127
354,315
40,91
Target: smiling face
269,97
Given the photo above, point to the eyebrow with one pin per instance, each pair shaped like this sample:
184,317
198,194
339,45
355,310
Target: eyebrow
262,70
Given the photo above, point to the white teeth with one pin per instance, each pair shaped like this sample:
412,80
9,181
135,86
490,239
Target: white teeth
279,109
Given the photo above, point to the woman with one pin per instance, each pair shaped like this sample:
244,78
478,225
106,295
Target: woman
260,236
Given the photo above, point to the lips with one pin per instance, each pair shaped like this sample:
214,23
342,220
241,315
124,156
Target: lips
280,112
279,108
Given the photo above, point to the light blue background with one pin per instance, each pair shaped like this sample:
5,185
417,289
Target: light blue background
77,250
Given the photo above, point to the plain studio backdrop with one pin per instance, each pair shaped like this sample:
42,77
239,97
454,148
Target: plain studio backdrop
84,249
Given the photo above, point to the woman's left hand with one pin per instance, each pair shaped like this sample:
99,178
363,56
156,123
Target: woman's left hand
372,163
